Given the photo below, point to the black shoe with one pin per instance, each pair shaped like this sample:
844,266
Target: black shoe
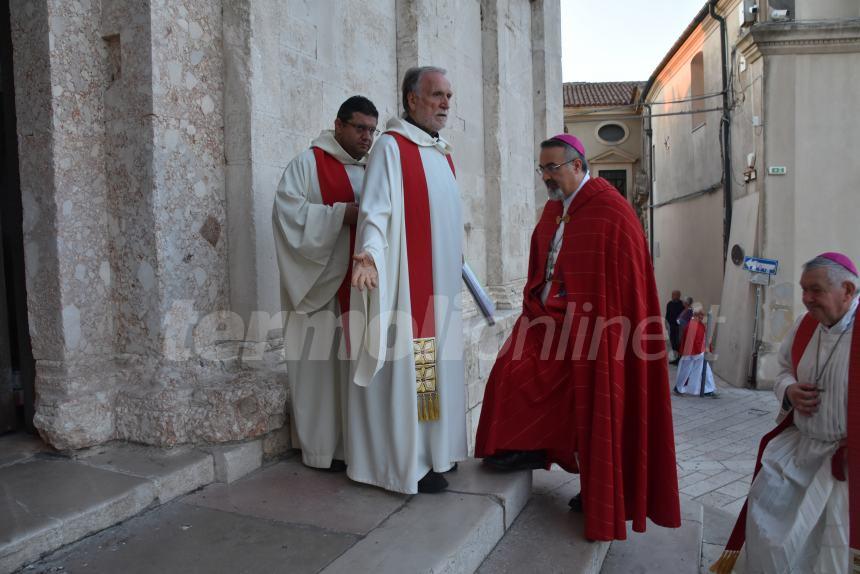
676,391
575,503
337,466
517,460
432,482
452,469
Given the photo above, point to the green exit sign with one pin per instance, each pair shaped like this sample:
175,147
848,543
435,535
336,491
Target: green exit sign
776,170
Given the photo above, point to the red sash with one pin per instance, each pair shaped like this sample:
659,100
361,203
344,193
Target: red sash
335,187
419,253
802,337
419,238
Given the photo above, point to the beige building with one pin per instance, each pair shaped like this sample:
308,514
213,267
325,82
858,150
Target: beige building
606,117
774,180
149,138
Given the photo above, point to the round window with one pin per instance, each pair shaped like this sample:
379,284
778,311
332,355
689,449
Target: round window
612,133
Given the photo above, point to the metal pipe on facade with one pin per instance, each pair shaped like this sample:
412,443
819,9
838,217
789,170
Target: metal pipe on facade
726,124
650,133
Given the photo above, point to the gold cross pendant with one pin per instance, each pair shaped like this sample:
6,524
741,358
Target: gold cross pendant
559,219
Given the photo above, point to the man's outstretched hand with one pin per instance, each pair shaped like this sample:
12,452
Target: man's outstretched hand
364,274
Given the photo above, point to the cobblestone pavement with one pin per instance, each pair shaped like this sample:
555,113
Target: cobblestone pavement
716,441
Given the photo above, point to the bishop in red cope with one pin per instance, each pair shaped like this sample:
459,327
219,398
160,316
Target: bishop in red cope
583,380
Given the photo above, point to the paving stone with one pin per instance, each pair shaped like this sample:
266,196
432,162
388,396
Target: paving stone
173,472
47,503
20,446
736,489
659,549
711,483
691,479
547,537
444,533
288,491
710,554
511,489
735,507
545,481
184,538
718,525
715,499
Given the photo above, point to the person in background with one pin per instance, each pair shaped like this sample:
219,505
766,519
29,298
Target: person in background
693,363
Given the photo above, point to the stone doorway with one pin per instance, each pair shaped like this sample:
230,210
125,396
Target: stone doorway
17,367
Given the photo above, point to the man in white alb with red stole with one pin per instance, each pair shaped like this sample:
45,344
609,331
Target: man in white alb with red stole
407,407
582,381
803,509
314,219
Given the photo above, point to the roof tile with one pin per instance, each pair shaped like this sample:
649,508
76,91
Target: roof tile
588,94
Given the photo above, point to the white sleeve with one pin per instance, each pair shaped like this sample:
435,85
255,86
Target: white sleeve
382,180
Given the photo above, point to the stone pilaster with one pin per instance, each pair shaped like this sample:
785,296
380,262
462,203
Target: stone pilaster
508,163
59,74
546,77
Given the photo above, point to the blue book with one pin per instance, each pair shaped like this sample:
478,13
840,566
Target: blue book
482,299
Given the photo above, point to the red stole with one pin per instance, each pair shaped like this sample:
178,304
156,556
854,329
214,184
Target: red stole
419,253
802,337
694,339
335,187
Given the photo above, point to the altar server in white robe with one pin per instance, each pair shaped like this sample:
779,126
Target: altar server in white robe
407,404
314,220
796,518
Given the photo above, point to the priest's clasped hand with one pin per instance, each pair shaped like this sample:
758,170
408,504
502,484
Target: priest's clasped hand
364,274
803,397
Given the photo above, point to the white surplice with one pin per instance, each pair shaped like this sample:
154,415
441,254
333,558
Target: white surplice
689,380
797,515
386,444
312,247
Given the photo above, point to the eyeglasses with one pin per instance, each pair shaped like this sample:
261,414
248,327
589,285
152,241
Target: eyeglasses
369,130
551,167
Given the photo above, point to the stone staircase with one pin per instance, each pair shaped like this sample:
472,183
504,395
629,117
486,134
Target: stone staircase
129,508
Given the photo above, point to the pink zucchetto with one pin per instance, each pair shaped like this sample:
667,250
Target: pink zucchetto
841,259
572,141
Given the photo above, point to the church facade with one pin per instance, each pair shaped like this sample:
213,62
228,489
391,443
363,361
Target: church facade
150,139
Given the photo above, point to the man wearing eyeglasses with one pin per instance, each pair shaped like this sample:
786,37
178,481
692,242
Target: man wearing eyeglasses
583,382
314,220
407,406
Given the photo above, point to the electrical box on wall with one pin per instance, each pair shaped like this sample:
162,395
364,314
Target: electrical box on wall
749,16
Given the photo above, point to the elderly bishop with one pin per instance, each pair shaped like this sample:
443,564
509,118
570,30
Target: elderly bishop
803,509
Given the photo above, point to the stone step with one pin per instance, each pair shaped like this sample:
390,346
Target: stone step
289,517
547,536
50,500
449,532
658,549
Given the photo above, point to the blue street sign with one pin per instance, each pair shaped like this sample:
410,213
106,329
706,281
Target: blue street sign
760,265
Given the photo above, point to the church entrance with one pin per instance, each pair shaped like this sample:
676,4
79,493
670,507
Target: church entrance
17,367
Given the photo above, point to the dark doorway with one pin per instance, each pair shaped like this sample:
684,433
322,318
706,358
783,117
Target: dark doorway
617,177
17,367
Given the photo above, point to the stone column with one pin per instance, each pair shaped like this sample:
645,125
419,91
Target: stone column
59,74
509,123
192,387
120,127
546,74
